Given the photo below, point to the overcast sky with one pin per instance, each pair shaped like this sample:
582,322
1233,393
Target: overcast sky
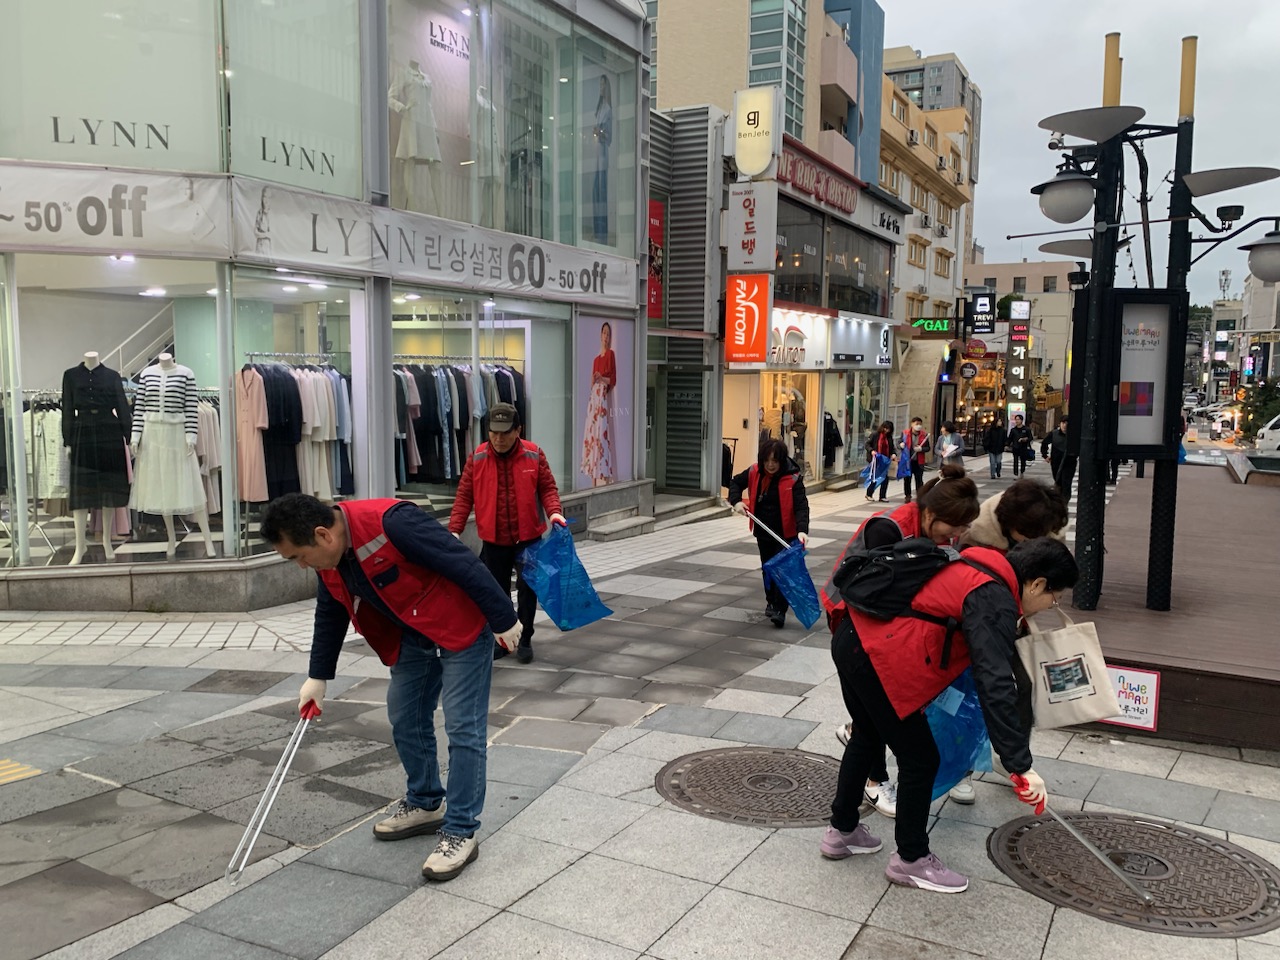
1033,59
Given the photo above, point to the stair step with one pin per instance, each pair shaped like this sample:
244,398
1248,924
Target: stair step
620,529
669,511
706,513
844,483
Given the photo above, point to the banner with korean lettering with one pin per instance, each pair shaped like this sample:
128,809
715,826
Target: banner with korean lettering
748,306
657,294
1016,373
751,229
291,227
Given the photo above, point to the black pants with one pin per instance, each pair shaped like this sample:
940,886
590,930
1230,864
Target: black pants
917,474
1019,462
501,560
1064,472
770,548
876,724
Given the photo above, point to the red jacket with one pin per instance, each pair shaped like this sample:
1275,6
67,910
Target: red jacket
510,494
918,441
906,518
433,605
786,499
914,658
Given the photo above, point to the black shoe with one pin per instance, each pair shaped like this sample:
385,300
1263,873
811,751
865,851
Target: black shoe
778,618
499,651
524,652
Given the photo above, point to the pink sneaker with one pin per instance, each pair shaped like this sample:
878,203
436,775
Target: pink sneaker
837,845
927,873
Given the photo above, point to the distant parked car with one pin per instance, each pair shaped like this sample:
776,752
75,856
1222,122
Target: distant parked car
1268,437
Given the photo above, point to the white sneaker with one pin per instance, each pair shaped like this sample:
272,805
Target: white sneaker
450,857
843,733
884,797
408,821
963,791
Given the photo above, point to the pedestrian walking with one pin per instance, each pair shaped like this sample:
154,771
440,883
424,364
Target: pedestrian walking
943,511
772,489
994,440
880,666
430,610
1020,439
509,483
884,447
914,447
1054,449
950,444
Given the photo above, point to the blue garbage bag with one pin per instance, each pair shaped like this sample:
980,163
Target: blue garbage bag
874,473
1182,453
789,574
552,568
904,466
959,730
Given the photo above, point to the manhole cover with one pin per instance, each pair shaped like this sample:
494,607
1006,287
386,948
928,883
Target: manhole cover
764,786
1203,886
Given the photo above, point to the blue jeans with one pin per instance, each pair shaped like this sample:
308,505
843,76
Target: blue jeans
424,676
995,462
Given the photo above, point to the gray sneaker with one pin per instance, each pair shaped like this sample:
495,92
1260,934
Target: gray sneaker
927,873
450,857
409,821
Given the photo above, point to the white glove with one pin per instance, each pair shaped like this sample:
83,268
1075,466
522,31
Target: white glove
1034,793
510,637
457,536
558,519
803,538
312,689
740,508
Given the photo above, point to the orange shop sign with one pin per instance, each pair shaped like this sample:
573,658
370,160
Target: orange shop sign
747,309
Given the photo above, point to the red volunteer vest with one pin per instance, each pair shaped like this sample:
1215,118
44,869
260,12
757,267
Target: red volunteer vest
907,520
433,605
907,652
786,499
524,479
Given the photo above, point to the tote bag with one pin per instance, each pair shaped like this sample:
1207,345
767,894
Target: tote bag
1069,677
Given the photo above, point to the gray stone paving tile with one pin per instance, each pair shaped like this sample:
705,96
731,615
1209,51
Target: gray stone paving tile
765,731
1208,749
655,649
372,724
321,749
502,803
1252,816
686,694
147,759
1078,937
1253,950
119,727
691,721
873,943
188,940
177,859
553,706
574,818
51,749
727,925
705,676
1161,798
253,682
370,690
1267,758
596,685
160,678
802,665
735,663
116,939
666,746
518,938
614,713
788,868
1256,779
517,676
94,823
552,734
268,914
619,737
91,675
996,804
969,920
961,846
683,844
378,773
603,642
211,783
307,810
528,765
401,934
83,900
510,866
236,732
1066,779
23,655
754,701
23,674
1114,754
563,654
787,688
614,775
360,853
654,901
335,711
180,709
624,665
45,792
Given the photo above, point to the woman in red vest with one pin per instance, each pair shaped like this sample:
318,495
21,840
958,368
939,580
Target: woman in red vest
883,443
773,491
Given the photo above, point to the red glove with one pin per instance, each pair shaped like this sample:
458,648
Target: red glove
1030,789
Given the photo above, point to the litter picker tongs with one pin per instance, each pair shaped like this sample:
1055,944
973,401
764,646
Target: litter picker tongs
765,527
240,859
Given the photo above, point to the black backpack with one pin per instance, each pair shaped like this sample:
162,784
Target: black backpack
883,581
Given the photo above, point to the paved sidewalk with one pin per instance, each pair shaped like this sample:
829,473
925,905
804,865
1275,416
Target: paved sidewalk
136,749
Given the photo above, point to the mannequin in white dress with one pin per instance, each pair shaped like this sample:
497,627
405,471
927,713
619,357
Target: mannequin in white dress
80,518
417,152
488,194
167,480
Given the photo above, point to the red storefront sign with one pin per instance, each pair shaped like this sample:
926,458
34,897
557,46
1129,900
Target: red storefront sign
746,335
657,258
808,176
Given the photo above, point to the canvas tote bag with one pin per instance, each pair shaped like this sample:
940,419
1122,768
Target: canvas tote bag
1069,676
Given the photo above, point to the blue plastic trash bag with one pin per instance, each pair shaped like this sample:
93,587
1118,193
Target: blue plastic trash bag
904,466
788,573
874,473
955,719
552,568
1182,453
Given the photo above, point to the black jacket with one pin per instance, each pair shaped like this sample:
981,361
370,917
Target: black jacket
1055,443
995,438
768,509
1020,439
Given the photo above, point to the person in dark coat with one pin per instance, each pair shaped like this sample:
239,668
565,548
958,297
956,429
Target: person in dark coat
994,440
1054,449
772,491
1020,439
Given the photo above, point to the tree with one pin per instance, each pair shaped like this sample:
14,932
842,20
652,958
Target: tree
1002,306
1261,402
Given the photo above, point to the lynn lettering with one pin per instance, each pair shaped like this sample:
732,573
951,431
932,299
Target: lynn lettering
117,133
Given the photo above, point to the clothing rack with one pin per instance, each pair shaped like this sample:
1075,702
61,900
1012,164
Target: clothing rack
447,356
309,356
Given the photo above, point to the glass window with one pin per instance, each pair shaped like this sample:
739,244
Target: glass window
799,275
768,56
128,85
942,263
1050,285
858,272
1019,284
771,21
761,41
293,77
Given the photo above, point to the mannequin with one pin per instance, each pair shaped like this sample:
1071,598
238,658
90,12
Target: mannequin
95,414
417,152
486,133
166,472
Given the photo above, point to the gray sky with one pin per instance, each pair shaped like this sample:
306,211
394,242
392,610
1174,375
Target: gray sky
1032,59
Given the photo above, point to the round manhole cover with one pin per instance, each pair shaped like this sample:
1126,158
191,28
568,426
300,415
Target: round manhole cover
1203,886
763,786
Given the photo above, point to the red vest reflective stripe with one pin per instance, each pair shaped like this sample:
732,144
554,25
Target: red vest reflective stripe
907,652
907,520
524,479
433,605
786,500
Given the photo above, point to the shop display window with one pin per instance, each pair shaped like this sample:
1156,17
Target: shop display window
857,271
800,249
791,407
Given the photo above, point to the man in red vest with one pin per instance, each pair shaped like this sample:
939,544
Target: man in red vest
509,482
429,609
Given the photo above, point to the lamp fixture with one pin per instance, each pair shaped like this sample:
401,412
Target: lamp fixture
289,288
413,296
152,292
1264,257
318,286
212,291
1068,196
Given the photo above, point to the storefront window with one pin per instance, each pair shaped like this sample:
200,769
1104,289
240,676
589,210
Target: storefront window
799,275
865,408
858,267
124,84
605,391
293,78
791,413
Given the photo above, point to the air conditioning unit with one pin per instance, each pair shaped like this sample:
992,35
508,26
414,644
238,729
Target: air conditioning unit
926,220
943,229
942,163
913,138
922,288
959,178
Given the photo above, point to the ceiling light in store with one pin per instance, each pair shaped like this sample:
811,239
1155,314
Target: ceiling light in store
152,292
564,79
318,286
283,270
465,163
289,288
122,257
212,291
397,300
412,296
228,73
466,11
339,301
490,302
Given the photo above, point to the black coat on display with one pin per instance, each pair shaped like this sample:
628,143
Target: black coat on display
96,423
284,429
